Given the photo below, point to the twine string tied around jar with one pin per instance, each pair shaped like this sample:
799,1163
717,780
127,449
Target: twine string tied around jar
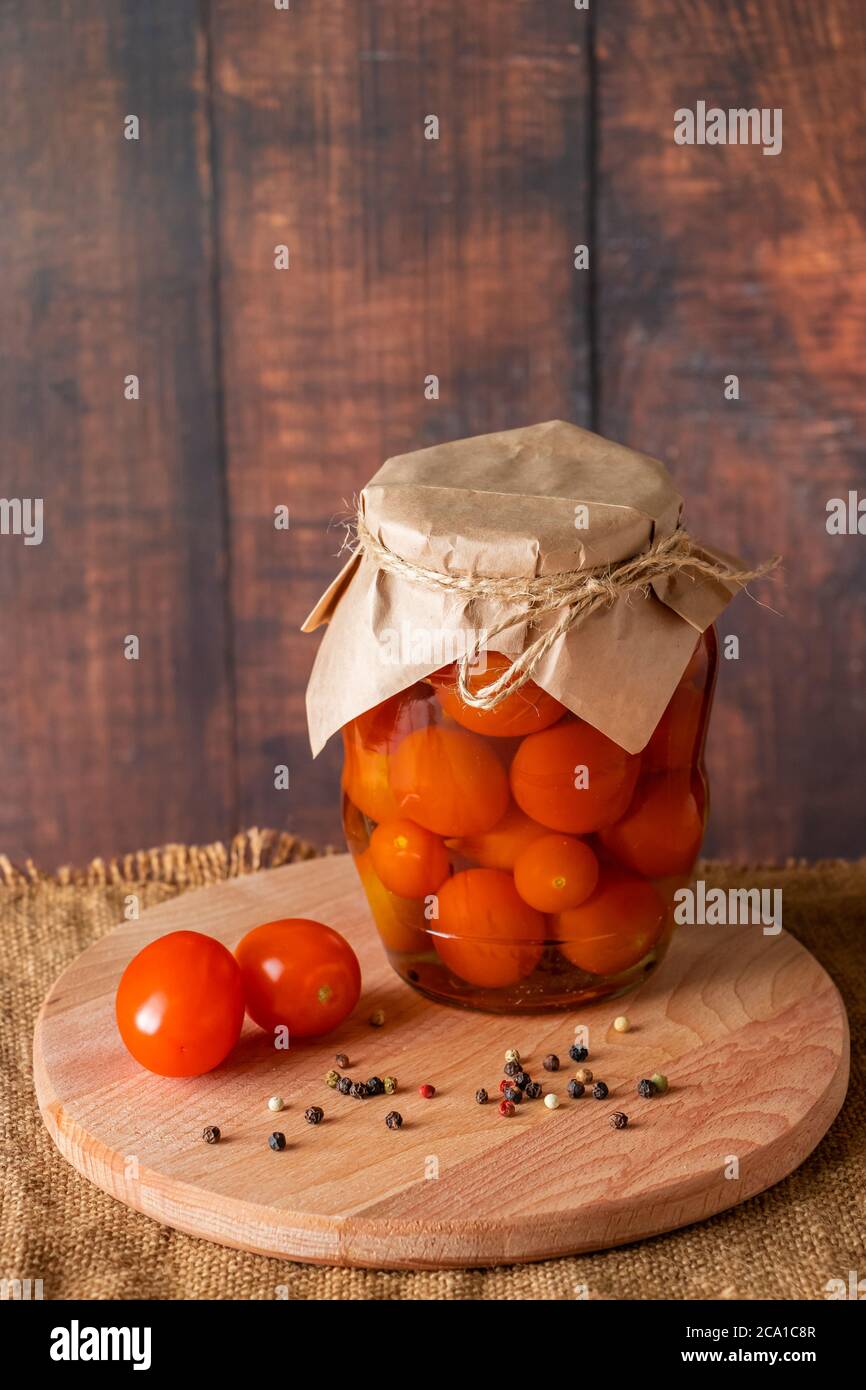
571,595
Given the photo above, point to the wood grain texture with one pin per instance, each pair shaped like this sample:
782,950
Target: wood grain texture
409,257
749,1029
108,265
717,260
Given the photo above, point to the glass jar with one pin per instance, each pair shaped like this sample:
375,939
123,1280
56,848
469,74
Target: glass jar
518,860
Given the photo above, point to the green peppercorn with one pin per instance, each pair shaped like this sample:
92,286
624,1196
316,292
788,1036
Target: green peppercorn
551,1062
600,1091
660,1082
575,1089
377,1018
481,1096
211,1134
277,1141
314,1114
646,1089
618,1120
332,1079
390,1084
578,1053
393,1119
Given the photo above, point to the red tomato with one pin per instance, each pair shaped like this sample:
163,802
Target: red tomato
298,974
674,743
615,927
489,935
498,848
555,872
527,711
410,860
180,1004
549,784
449,781
660,833
400,922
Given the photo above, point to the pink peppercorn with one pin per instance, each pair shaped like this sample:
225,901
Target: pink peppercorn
504,1084
506,1107
427,1091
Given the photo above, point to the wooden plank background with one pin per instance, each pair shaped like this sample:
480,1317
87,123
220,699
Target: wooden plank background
264,388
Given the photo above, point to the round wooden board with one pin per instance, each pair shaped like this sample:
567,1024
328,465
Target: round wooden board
750,1030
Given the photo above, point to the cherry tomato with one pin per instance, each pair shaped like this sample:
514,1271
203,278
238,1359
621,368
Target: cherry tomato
400,922
555,872
365,780
384,725
410,860
661,831
549,784
527,711
298,974
498,848
368,742
180,1004
490,936
615,927
674,742
449,781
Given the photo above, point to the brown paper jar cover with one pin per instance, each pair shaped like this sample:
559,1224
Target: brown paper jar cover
508,505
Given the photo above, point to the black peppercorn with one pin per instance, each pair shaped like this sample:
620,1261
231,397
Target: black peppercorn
618,1120
532,1090
522,1079
344,1085
342,1061
393,1119
578,1053
600,1091
511,1068
314,1114
575,1089
514,1094
211,1134
277,1140
358,1089
645,1088
375,1086
551,1062
481,1096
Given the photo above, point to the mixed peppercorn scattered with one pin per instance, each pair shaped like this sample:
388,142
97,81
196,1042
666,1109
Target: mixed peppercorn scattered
516,1086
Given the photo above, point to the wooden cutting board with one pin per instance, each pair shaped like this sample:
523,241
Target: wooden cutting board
749,1029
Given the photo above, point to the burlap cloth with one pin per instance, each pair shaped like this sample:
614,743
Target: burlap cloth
55,1226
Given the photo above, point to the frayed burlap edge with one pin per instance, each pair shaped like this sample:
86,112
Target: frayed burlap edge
183,866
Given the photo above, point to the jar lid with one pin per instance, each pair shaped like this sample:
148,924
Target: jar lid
525,504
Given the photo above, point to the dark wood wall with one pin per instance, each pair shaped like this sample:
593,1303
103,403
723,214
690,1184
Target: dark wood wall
263,388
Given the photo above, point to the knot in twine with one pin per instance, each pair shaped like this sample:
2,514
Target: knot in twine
572,596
